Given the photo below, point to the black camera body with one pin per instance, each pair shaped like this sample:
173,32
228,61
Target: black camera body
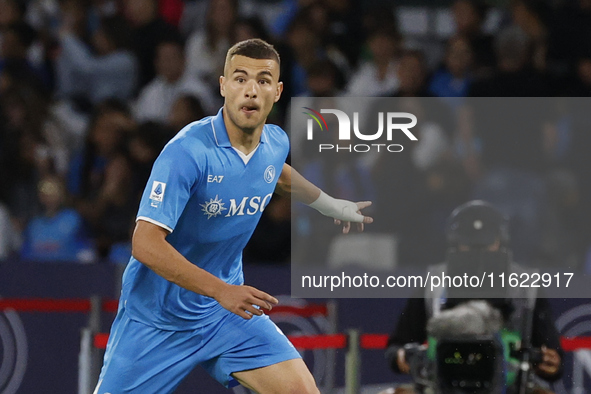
469,351
470,365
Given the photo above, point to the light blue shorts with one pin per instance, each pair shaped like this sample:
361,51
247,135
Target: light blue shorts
144,359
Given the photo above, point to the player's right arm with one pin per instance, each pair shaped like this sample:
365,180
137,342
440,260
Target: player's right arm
149,246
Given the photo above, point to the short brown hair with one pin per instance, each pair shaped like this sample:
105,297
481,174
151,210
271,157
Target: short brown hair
254,48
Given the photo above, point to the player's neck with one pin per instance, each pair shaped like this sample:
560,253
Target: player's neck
245,140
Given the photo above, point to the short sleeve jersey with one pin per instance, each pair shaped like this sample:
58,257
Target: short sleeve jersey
203,192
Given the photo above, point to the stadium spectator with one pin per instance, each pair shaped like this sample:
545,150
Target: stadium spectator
531,17
515,76
206,49
251,27
144,145
58,233
581,84
324,79
11,11
378,76
577,158
172,11
17,38
345,29
26,155
184,110
45,16
111,73
320,21
148,29
469,16
512,175
64,130
453,79
304,48
76,14
414,191
171,82
378,18
412,75
569,24
584,72
101,176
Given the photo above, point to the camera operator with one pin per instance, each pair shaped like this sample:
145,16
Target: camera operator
477,236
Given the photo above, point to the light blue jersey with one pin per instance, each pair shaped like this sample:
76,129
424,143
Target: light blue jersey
202,191
211,198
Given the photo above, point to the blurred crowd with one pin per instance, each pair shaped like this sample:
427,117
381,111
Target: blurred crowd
91,90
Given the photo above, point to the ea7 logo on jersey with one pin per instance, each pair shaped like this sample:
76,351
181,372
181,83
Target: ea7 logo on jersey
157,193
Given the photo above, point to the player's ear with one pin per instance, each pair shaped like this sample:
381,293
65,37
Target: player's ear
279,91
222,80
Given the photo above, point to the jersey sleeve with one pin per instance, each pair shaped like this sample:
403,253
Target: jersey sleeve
168,190
280,137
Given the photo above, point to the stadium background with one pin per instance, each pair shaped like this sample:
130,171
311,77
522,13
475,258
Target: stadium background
90,90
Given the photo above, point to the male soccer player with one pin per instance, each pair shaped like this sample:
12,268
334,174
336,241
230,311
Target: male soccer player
183,301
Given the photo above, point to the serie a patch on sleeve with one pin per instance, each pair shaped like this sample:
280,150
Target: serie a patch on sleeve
157,193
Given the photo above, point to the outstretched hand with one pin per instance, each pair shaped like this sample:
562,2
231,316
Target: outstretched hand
550,364
244,300
360,225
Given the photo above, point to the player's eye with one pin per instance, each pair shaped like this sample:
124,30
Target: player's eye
263,81
240,79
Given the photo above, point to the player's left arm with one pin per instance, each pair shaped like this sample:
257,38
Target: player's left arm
292,184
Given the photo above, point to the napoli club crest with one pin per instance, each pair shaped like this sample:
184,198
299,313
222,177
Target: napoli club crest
269,174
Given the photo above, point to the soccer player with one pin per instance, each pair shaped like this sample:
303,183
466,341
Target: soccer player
183,301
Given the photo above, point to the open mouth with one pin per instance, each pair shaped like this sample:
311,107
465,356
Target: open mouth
249,109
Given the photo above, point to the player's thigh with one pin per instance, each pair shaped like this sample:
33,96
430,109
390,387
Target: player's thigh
287,377
144,359
243,345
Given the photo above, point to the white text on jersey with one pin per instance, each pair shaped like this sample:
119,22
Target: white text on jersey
256,204
215,178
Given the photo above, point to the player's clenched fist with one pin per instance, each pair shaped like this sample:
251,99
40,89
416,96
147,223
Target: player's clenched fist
244,300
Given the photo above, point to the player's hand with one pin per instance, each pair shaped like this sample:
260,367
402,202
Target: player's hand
244,300
360,225
401,361
550,362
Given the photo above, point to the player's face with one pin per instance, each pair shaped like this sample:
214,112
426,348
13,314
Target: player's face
250,88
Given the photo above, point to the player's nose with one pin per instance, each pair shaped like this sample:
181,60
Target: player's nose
251,89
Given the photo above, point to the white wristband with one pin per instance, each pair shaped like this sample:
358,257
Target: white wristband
335,208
